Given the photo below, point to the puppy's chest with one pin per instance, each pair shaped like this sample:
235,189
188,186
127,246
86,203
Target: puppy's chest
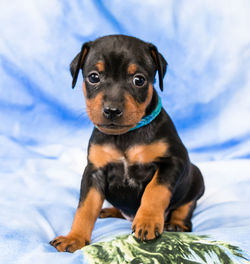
131,165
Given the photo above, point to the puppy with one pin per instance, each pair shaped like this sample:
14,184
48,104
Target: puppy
136,160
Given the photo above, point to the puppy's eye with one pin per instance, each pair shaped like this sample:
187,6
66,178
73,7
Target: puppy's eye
138,80
94,78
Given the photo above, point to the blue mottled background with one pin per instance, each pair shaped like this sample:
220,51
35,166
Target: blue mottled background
44,128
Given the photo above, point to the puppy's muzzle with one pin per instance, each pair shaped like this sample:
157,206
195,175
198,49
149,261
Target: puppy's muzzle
112,113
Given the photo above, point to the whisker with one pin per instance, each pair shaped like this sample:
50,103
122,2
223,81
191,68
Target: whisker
82,115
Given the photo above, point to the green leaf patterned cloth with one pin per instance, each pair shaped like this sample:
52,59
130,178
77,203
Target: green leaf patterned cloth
169,248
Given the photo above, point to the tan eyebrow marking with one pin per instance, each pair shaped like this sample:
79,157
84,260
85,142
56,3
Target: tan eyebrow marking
132,68
100,66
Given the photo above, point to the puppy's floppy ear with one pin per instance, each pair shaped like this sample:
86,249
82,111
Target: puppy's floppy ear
78,62
161,64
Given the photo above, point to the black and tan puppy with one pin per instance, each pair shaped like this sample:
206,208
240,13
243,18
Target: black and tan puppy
136,160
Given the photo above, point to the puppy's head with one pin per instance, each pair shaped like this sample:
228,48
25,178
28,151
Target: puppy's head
118,73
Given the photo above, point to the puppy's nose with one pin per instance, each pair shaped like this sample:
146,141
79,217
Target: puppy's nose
112,113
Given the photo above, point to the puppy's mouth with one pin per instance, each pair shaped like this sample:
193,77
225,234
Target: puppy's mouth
113,128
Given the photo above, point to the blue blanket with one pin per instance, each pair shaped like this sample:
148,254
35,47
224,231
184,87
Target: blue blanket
44,128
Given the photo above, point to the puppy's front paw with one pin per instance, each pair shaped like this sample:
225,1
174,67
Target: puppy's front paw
147,226
69,243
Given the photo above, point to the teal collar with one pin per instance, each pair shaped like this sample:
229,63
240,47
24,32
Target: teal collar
149,118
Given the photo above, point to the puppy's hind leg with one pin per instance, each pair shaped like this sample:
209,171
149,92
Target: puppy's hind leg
179,219
110,212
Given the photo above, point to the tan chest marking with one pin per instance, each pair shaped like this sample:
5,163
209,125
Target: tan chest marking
101,155
147,153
